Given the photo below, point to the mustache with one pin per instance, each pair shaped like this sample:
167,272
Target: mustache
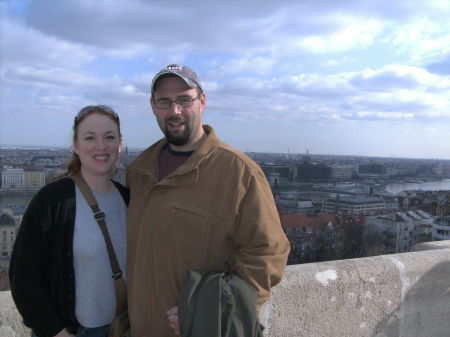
175,119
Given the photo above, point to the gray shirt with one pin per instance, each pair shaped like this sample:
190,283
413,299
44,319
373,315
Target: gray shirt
95,301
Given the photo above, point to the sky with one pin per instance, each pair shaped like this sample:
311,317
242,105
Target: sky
343,77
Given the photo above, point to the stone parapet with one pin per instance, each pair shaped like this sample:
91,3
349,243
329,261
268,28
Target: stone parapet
10,321
431,245
394,295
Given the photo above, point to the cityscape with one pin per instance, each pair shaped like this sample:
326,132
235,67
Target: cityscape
343,105
331,207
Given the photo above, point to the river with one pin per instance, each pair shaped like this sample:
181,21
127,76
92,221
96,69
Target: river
443,184
15,199
19,199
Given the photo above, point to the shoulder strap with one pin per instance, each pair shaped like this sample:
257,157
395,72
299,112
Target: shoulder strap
99,216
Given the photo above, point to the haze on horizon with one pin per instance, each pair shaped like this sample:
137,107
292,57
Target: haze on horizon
366,78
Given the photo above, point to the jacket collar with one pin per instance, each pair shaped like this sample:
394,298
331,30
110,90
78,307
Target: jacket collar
148,162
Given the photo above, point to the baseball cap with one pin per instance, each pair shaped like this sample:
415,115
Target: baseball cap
183,72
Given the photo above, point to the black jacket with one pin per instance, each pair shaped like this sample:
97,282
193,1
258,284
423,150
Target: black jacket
41,269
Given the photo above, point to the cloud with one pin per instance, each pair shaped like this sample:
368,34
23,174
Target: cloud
392,93
62,90
45,78
271,26
134,24
441,65
354,32
387,79
308,64
23,45
330,63
402,81
256,65
424,33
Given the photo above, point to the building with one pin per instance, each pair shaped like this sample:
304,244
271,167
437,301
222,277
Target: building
274,179
342,172
322,237
287,172
286,206
47,161
441,207
13,178
18,178
441,228
34,179
371,169
305,235
307,171
53,173
353,205
7,236
391,203
397,232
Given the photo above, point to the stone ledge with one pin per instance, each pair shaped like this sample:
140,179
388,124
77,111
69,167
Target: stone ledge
10,320
383,296
431,245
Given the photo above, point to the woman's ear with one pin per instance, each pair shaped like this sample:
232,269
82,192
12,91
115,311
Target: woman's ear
75,147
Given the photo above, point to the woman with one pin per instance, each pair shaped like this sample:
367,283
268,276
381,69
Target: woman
60,272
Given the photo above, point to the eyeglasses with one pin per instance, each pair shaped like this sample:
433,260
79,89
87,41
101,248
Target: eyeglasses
94,108
182,102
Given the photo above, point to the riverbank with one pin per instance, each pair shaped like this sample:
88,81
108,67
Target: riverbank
434,185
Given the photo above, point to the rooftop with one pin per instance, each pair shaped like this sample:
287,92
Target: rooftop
442,221
357,200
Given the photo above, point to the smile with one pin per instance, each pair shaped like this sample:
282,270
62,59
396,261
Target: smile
101,158
176,122
176,125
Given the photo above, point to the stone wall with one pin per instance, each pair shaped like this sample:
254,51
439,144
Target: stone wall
405,295
10,320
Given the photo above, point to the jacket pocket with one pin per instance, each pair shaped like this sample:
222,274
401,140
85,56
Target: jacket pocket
188,228
183,207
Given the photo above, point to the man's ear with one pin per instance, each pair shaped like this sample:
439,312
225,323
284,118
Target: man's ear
203,101
152,104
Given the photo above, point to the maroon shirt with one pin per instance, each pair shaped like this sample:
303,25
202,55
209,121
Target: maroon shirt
170,160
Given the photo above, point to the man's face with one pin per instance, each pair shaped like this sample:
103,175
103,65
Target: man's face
181,126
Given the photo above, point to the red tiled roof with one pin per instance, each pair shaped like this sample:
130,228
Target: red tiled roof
315,222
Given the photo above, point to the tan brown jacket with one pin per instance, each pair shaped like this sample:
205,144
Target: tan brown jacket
214,208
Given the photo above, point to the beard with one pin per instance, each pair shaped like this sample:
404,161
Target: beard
178,139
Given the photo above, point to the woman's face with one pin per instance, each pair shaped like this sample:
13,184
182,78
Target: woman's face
98,145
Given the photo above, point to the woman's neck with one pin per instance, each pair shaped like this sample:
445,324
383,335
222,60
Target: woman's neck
101,184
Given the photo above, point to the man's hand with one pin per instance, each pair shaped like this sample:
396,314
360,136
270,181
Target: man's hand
64,333
172,316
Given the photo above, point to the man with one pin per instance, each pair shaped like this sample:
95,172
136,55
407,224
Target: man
196,203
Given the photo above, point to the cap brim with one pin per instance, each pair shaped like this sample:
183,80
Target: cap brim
190,83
